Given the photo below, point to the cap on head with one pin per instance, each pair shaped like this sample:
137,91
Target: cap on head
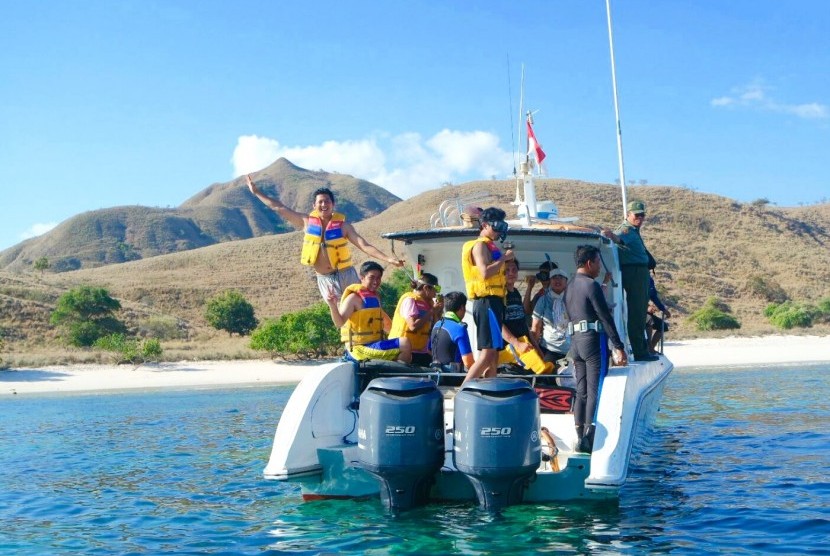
558,272
636,206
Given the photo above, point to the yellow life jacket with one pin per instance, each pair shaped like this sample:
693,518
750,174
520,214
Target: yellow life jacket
420,337
332,238
366,325
530,359
477,286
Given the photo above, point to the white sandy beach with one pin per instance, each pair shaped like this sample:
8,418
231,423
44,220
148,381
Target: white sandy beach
724,352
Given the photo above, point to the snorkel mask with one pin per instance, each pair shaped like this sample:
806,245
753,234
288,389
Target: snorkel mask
500,227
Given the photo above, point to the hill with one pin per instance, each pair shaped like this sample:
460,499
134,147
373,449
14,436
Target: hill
221,212
706,245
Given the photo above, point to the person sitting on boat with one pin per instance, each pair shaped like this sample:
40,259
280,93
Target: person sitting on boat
449,341
543,277
414,316
362,321
550,319
325,245
592,327
523,349
483,266
634,260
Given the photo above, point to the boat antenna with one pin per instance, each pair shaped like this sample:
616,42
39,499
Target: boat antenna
616,107
521,107
510,100
518,201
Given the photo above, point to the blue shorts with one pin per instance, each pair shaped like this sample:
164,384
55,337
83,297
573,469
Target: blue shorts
488,314
388,350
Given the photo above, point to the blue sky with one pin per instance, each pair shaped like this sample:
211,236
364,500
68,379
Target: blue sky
106,103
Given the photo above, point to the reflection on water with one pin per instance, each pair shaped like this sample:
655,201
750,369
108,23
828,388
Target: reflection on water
736,463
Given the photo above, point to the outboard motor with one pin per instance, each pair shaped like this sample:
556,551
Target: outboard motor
401,437
497,443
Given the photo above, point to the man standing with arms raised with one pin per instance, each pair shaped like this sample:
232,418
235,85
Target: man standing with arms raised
324,243
483,266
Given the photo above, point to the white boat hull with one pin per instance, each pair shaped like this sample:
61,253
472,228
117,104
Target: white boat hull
315,443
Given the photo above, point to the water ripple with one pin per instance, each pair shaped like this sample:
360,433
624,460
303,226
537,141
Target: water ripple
736,463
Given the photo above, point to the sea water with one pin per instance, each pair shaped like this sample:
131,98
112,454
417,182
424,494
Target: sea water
737,462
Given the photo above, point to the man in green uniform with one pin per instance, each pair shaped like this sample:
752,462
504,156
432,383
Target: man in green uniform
634,267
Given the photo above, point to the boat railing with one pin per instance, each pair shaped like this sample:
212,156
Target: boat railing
450,210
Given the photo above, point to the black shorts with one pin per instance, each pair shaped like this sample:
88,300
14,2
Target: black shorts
488,314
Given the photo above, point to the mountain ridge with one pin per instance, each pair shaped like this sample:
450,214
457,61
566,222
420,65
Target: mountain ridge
706,245
220,212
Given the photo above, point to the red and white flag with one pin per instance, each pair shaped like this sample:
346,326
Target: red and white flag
533,146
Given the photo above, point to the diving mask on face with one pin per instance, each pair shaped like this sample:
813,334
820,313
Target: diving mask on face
500,227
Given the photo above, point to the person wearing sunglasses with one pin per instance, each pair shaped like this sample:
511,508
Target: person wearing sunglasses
415,314
482,263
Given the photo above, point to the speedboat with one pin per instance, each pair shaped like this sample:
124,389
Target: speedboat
353,430
412,435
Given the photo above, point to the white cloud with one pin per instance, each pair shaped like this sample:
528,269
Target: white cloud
812,110
755,96
404,164
37,229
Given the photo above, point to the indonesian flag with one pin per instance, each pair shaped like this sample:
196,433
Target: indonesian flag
533,145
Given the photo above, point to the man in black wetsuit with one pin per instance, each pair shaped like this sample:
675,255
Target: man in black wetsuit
592,326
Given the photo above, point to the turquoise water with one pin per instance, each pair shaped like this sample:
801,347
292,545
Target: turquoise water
738,463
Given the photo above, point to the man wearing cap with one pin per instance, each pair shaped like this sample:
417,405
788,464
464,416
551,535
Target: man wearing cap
550,318
543,276
634,260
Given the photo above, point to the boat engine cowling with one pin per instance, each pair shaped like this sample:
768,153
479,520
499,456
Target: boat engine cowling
496,438
401,437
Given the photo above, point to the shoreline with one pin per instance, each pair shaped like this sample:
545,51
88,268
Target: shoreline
719,352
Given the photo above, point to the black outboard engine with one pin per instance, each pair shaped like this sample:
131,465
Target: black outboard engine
401,437
497,443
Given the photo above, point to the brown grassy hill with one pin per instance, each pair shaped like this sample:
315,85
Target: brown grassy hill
219,213
706,245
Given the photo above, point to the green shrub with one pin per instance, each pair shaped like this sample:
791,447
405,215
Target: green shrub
309,332
823,311
151,349
791,315
231,312
714,316
130,350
